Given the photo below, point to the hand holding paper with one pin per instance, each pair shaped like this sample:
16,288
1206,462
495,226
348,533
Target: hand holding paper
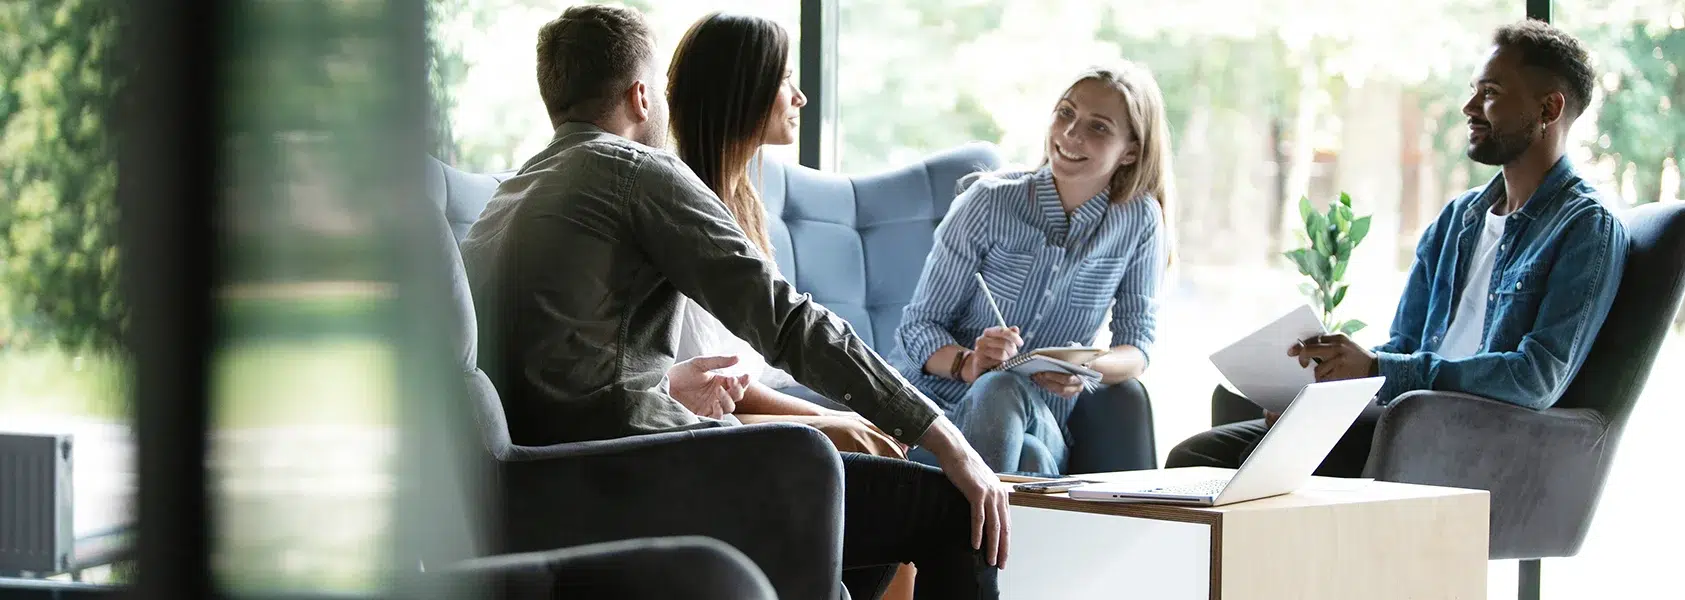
1260,367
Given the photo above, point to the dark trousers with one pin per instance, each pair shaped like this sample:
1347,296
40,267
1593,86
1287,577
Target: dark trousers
897,511
1228,446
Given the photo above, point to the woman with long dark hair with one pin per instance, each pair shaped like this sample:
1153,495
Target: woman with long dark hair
729,93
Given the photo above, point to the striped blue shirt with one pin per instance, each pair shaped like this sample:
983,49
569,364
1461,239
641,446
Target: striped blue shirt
1054,276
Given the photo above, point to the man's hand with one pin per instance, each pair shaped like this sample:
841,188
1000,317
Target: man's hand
995,346
1064,385
991,527
1270,418
1337,357
708,394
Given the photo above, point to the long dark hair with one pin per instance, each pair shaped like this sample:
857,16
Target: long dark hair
721,84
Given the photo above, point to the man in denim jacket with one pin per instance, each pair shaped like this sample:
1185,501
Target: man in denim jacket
1510,283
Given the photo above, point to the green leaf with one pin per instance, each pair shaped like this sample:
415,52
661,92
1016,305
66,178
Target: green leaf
1305,209
1340,270
1351,327
1317,229
1339,296
1319,268
1301,258
1343,250
1360,228
1342,217
1308,289
1346,200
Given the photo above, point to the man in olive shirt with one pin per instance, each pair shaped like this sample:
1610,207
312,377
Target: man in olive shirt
578,264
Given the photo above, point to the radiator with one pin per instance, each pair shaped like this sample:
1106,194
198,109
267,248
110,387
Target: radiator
35,503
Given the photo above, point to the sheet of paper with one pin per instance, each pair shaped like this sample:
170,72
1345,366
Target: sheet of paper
1258,368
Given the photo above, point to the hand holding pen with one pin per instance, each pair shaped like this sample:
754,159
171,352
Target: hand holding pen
997,344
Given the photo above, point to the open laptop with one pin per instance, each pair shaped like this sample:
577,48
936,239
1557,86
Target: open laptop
1283,460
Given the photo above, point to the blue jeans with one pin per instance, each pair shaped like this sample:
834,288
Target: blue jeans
1004,417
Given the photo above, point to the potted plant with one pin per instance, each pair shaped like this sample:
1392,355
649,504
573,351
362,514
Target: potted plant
1329,240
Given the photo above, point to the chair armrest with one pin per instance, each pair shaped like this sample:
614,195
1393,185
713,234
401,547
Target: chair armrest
773,492
676,567
1543,469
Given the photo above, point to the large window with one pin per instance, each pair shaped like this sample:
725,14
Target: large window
1268,101
1629,143
485,63
62,316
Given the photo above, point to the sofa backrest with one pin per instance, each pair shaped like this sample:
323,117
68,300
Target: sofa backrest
858,244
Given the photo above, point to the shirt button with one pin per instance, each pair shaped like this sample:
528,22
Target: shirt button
848,396
897,432
1492,296
1517,285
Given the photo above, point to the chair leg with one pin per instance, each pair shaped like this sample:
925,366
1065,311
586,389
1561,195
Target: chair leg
1527,586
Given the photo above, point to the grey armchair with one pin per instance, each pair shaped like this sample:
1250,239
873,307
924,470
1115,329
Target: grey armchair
1544,469
711,483
690,568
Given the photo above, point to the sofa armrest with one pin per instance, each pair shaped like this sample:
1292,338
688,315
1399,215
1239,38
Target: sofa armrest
676,567
1543,469
773,492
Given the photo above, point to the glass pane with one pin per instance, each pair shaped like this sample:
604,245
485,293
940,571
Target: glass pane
484,69
1268,101
62,317
311,354
1629,142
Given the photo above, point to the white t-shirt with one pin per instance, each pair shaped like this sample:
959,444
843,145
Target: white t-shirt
700,334
1462,338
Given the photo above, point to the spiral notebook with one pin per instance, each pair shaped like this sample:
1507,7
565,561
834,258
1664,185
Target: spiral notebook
1068,360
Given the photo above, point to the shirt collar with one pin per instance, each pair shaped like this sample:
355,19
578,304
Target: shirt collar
1544,199
1047,199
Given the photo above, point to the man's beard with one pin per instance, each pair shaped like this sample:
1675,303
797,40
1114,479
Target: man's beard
654,133
1500,148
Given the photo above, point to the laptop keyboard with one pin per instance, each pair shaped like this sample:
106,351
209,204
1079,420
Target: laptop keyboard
1202,488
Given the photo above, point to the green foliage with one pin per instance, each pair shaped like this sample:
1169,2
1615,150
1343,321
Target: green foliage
1329,240
1642,117
58,218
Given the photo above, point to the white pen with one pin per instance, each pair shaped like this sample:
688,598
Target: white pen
991,298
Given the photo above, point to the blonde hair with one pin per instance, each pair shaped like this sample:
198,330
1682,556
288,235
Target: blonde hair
1151,173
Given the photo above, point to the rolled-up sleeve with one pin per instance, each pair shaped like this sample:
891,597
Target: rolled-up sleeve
1135,313
946,283
690,236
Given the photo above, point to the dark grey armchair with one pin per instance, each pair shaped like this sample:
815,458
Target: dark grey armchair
713,483
1544,469
693,568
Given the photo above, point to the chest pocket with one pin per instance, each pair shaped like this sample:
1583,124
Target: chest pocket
1515,305
1096,281
1006,272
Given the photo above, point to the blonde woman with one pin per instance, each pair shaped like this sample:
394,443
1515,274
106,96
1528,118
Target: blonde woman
1057,247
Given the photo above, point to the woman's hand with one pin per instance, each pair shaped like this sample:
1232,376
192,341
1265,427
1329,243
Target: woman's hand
1064,385
995,346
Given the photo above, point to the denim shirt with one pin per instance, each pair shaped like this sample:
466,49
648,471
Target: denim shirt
579,266
1557,267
